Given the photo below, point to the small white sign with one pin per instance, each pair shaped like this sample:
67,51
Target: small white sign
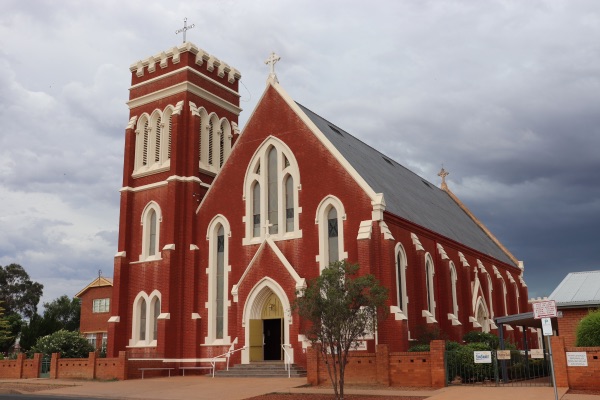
536,353
361,345
482,357
547,326
544,309
503,355
577,359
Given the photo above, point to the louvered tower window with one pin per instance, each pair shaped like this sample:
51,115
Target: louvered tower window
145,145
157,141
170,133
210,143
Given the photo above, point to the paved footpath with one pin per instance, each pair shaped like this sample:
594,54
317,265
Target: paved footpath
201,388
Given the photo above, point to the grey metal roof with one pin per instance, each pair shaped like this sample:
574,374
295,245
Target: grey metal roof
578,289
407,195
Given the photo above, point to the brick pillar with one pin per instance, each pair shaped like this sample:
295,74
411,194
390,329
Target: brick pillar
123,362
37,365
437,353
559,358
20,361
312,366
54,365
382,362
92,365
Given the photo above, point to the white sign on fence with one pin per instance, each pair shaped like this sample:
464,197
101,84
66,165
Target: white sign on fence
536,353
482,357
577,359
503,355
544,309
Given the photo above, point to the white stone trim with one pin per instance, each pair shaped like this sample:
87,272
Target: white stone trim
145,222
183,87
378,207
442,252
463,260
385,231
416,242
150,299
131,123
211,236
174,53
252,309
364,230
187,69
114,318
397,313
400,253
328,202
300,282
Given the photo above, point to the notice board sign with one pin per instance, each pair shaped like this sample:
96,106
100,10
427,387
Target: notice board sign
577,359
503,354
544,309
536,353
482,357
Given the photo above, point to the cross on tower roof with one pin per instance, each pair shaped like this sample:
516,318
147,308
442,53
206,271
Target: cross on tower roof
271,61
185,28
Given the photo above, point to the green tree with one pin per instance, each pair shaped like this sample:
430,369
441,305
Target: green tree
69,344
63,313
18,292
14,322
342,308
588,330
5,328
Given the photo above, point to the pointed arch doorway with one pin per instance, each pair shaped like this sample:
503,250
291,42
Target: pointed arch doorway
267,332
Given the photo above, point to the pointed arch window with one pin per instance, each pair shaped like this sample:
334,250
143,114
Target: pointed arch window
289,203
214,140
453,281
271,190
153,142
218,242
151,219
401,292
330,218
490,296
146,313
333,253
143,320
429,273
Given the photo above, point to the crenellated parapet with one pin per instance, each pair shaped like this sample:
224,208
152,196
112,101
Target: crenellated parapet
173,55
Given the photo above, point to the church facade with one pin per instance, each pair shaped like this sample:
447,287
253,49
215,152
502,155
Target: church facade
219,228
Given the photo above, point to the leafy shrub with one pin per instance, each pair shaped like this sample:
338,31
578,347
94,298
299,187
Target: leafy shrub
491,340
461,363
68,344
588,330
419,347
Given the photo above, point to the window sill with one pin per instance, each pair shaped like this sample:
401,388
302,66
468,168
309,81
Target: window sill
276,238
153,169
147,260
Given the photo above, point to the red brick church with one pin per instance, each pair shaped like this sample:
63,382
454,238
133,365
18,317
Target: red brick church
220,227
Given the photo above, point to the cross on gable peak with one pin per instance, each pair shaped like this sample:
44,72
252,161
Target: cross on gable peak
271,61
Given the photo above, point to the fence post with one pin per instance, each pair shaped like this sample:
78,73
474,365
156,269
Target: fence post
92,364
437,353
382,363
54,366
559,359
312,365
20,361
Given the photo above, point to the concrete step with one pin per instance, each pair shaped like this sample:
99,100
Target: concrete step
264,369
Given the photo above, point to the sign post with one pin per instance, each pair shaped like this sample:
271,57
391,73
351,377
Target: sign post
545,310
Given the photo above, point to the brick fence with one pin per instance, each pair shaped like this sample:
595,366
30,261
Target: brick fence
418,369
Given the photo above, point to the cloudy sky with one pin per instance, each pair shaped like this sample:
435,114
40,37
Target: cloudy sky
504,94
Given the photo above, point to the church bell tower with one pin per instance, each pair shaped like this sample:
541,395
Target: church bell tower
183,113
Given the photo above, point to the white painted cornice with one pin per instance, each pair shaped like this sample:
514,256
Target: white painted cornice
463,259
416,242
183,87
442,252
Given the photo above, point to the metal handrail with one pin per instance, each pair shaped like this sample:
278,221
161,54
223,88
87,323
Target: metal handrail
288,359
227,355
